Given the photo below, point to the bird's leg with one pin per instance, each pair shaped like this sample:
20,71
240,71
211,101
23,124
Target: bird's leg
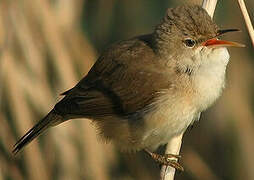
166,159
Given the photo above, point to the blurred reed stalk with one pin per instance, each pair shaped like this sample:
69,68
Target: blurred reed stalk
39,37
247,19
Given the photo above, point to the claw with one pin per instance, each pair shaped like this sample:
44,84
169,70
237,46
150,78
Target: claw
169,156
167,159
175,165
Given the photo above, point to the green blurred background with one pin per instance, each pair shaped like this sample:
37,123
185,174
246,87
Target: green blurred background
46,46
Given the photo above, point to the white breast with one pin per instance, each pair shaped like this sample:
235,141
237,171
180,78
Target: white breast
209,79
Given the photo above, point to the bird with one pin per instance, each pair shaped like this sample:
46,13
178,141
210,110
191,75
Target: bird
143,91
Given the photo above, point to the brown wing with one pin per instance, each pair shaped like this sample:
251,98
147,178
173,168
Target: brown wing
124,80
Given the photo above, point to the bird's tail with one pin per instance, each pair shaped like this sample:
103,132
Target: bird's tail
51,119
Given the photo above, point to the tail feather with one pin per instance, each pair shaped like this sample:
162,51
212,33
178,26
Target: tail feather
51,119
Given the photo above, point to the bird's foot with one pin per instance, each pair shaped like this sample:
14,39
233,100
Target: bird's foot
167,159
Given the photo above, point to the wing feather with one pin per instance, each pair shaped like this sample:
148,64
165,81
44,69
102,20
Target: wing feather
124,80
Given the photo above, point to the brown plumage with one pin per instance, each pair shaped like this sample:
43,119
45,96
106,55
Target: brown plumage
122,83
143,91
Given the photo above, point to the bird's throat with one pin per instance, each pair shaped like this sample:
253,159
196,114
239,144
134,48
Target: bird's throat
209,78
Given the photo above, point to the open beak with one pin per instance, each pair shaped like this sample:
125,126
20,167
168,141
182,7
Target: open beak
221,43
214,42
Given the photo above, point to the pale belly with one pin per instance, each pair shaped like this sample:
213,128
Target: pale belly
170,119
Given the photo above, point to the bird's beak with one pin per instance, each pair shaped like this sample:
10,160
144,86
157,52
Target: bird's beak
214,42
221,43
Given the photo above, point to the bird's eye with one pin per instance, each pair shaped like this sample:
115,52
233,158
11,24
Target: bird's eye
189,42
